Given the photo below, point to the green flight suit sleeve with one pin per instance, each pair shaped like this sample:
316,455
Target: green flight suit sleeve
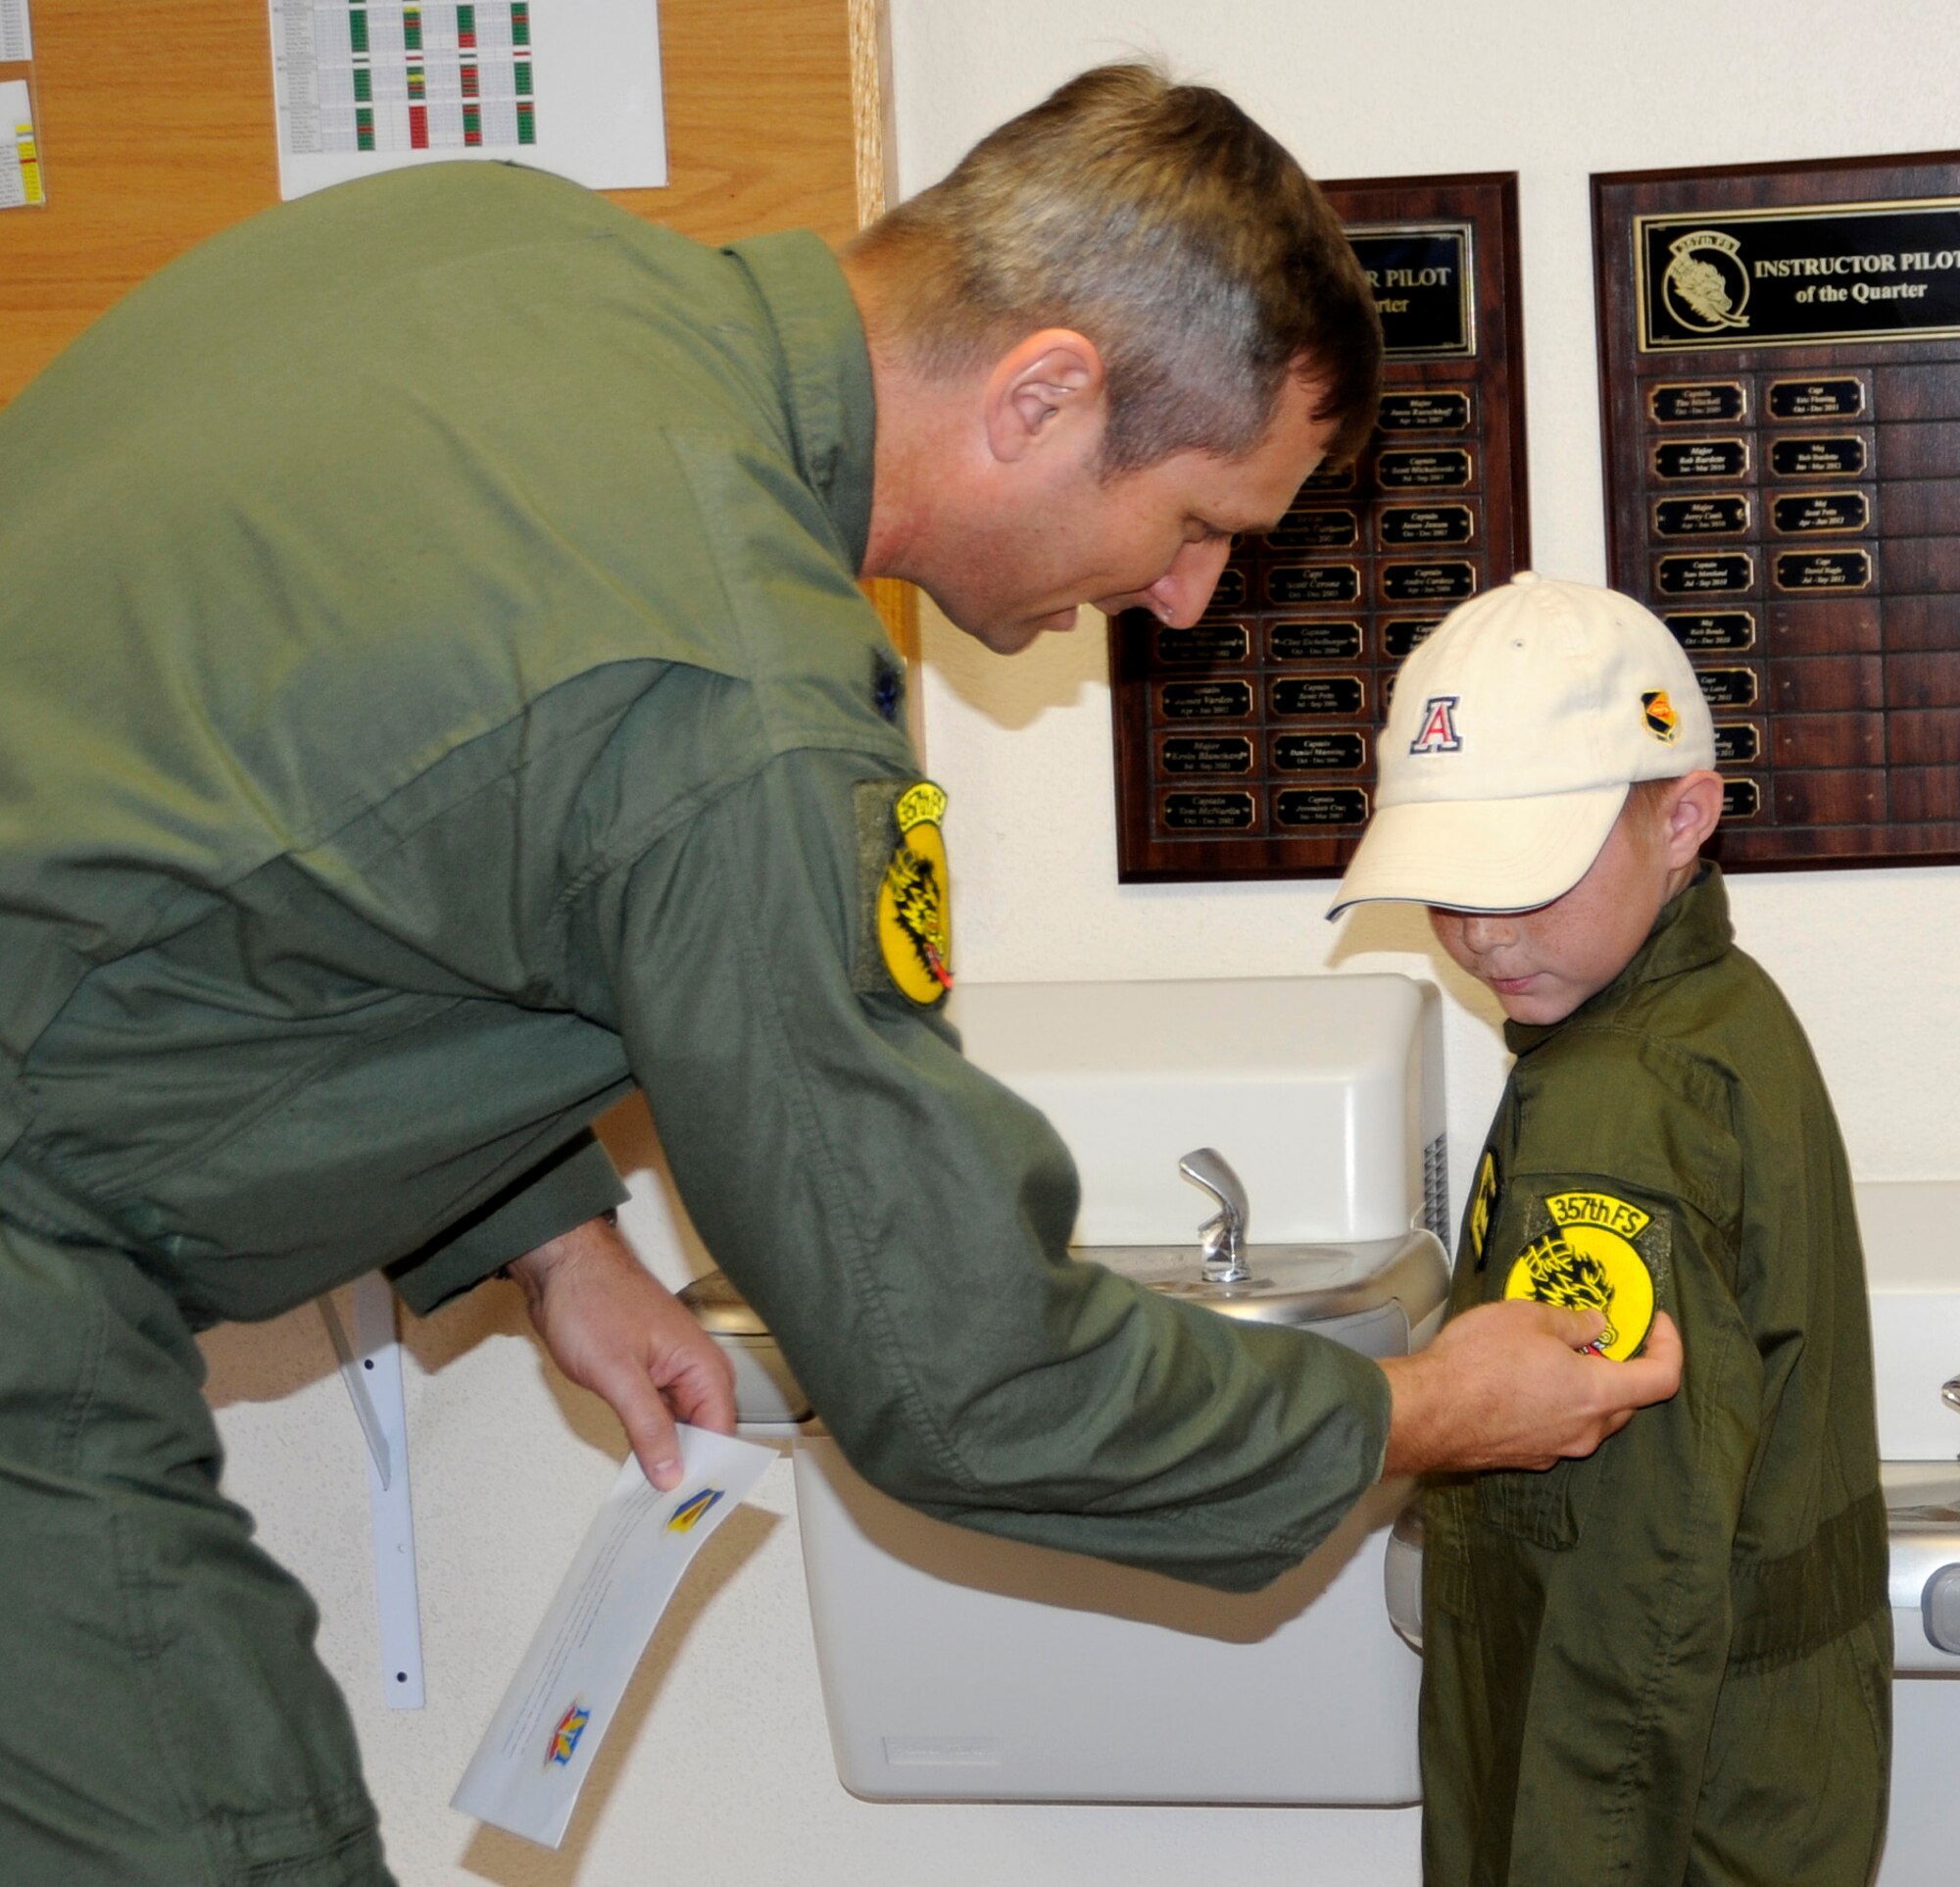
575,1185
901,1221
1587,1612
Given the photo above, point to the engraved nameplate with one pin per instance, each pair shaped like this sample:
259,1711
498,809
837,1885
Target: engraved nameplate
1701,459
1817,458
1412,582
1694,576
1720,516
1298,806
1207,700
1424,412
1206,754
1408,470
1336,697
1208,811
1824,570
1319,753
1713,631
1401,524
1330,641
1697,402
1820,511
1206,643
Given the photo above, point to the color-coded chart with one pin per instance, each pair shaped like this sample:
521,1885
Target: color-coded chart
20,159
369,84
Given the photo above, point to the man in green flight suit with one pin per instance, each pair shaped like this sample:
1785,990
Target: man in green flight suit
437,699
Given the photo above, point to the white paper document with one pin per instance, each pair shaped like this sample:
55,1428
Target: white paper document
533,1759
567,86
19,160
17,31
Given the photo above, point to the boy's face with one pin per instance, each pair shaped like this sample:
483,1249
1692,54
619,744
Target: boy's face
1543,963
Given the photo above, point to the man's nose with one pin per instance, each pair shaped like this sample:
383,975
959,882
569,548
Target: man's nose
1179,596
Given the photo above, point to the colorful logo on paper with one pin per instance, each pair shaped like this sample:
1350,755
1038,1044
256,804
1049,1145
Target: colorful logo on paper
693,1509
564,1739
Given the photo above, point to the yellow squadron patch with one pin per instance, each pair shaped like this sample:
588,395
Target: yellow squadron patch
1588,1261
1663,723
1483,1202
914,899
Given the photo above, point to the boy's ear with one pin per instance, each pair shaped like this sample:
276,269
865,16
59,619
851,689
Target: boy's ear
1690,814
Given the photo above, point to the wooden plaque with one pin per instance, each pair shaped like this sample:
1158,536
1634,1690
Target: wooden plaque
1780,384
1246,745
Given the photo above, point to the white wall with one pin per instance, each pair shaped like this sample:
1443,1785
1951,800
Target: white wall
721,1773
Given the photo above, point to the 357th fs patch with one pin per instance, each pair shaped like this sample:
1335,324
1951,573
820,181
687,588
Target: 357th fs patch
904,889
1590,1250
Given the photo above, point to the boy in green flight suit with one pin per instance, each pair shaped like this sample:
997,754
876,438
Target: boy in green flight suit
1668,1662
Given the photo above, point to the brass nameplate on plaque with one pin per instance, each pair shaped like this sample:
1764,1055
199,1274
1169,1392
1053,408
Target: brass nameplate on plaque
1229,595
1833,399
1741,799
1821,511
1330,641
1790,278
1701,459
1695,575
1206,754
1314,530
1720,515
1326,697
1329,479
1428,583
1824,570
1697,402
1319,753
1207,700
1421,276
1737,743
1817,458
1728,687
1320,806
1297,584
1403,524
1446,469
1210,812
1402,634
1713,631
1430,410
1206,643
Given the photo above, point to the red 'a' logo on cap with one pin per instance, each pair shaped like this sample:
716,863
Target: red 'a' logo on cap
1439,733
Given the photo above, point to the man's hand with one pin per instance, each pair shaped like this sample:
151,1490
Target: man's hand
1504,1386
615,1330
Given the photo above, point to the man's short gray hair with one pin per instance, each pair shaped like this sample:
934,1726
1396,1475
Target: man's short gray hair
1159,222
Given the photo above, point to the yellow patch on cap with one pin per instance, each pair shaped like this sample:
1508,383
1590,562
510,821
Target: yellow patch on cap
1588,1262
915,899
1662,720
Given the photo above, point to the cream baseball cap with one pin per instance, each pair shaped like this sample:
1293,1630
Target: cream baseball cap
1515,730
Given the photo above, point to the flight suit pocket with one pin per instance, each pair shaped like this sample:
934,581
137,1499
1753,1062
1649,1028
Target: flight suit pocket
1536,1505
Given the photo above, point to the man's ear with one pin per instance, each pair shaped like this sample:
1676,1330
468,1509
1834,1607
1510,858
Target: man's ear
1692,811
1046,389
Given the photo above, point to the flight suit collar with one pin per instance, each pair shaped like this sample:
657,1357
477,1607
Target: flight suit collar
827,372
1691,930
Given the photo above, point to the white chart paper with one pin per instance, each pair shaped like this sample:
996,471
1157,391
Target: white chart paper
20,159
17,31
567,86
534,1758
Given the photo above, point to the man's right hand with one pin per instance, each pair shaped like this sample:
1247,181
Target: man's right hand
1504,1385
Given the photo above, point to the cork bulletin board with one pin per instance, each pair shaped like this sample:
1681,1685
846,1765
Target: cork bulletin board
155,127
1780,351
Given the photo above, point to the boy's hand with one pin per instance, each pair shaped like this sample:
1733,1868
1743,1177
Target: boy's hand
1504,1385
